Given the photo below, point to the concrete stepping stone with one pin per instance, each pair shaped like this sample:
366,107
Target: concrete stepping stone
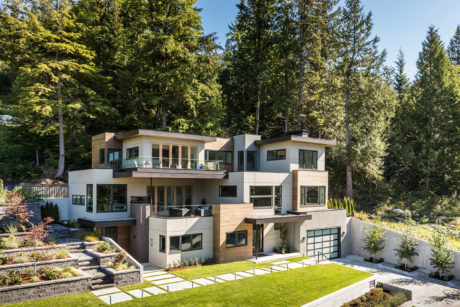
203,281
229,277
244,274
138,293
154,290
279,268
105,291
116,298
181,286
158,277
214,279
154,273
167,281
281,262
258,272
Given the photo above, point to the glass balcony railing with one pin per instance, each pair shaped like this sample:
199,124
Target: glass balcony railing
152,163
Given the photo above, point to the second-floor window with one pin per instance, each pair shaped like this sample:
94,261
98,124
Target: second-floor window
312,196
132,152
89,198
241,160
111,197
227,191
308,159
225,157
265,196
278,154
251,160
113,155
102,156
174,156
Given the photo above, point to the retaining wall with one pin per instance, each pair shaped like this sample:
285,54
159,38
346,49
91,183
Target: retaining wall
126,277
353,241
61,263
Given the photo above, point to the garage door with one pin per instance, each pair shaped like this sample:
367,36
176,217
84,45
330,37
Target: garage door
323,243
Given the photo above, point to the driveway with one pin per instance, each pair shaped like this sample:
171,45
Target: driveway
425,291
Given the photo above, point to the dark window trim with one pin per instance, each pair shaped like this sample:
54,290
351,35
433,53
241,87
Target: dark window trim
277,156
88,197
224,151
102,156
191,243
236,190
235,232
322,201
159,245
128,155
112,150
78,200
255,160
316,162
111,197
241,161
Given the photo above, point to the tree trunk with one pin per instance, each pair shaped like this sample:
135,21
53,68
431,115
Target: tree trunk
37,160
60,170
286,121
349,189
257,123
301,65
164,118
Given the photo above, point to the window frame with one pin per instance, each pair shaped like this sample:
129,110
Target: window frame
276,154
235,233
128,152
241,160
162,242
273,196
78,200
114,150
303,191
254,152
180,242
314,163
89,198
226,154
112,198
102,156
228,186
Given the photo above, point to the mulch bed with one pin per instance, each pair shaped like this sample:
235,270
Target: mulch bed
374,260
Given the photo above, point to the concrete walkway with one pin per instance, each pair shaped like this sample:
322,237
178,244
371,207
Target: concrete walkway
425,291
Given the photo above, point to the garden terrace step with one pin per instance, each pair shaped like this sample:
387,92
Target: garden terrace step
102,286
88,267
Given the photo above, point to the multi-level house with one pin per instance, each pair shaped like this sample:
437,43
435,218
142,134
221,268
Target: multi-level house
168,196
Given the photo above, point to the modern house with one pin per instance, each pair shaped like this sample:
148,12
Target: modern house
170,196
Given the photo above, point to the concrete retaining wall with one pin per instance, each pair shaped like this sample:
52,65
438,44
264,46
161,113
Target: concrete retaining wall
61,263
353,241
342,296
33,291
63,205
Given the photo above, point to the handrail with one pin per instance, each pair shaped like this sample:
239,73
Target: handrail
156,163
129,258
317,254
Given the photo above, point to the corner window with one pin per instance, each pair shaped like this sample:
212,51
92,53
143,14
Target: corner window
112,197
162,244
89,198
308,159
132,152
174,244
240,160
102,156
227,191
236,238
113,155
78,200
251,161
312,196
185,243
265,196
277,154
225,157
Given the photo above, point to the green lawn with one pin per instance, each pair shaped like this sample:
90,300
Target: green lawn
298,259
287,288
217,269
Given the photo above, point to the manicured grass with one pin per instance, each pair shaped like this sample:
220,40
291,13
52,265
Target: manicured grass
297,259
217,269
287,288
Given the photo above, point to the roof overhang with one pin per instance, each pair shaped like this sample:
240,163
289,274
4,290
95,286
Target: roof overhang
169,173
297,138
285,218
164,134
107,222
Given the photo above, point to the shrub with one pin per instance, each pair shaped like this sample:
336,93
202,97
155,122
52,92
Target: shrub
50,239
105,247
72,271
73,224
67,275
44,269
11,242
406,249
50,210
441,258
3,280
39,232
347,204
50,275
374,240
202,260
10,227
35,279
21,258
62,253
89,236
5,260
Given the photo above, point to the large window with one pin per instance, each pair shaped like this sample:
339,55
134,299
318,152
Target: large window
308,159
185,243
114,155
162,244
227,191
111,197
240,160
226,157
89,198
170,196
251,160
102,156
265,196
312,196
278,154
78,200
236,238
132,152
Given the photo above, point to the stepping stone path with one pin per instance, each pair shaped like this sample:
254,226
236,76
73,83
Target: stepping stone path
169,282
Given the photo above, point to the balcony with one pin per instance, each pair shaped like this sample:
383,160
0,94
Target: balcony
174,212
169,168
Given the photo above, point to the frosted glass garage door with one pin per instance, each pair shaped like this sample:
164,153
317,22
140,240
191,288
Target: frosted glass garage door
323,243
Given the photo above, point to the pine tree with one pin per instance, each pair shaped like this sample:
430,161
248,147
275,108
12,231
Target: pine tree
401,82
453,51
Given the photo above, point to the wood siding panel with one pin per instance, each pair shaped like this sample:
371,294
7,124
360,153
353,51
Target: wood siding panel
104,140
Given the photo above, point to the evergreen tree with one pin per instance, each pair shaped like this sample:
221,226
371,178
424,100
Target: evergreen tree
401,83
453,51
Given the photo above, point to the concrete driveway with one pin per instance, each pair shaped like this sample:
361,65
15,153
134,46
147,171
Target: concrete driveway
425,291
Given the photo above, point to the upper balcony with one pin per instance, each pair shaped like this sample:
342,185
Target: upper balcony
169,168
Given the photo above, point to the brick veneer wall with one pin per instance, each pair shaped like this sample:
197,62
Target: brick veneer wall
33,291
230,218
61,263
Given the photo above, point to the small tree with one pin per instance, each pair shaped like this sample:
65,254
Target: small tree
16,208
406,249
39,232
374,240
283,234
441,258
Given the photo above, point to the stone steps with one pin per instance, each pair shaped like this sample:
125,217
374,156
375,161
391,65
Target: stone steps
100,279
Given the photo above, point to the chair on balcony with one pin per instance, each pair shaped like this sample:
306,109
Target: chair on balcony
147,164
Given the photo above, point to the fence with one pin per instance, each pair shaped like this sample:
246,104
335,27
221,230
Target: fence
48,190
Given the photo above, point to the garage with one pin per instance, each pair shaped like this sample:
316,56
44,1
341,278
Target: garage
323,243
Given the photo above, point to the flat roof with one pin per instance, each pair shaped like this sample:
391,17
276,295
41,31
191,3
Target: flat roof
107,222
297,138
164,134
285,218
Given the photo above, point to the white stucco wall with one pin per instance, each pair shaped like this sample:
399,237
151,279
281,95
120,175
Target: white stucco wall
271,237
177,227
354,241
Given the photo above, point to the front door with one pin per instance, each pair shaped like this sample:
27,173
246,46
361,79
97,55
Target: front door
257,239
111,232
